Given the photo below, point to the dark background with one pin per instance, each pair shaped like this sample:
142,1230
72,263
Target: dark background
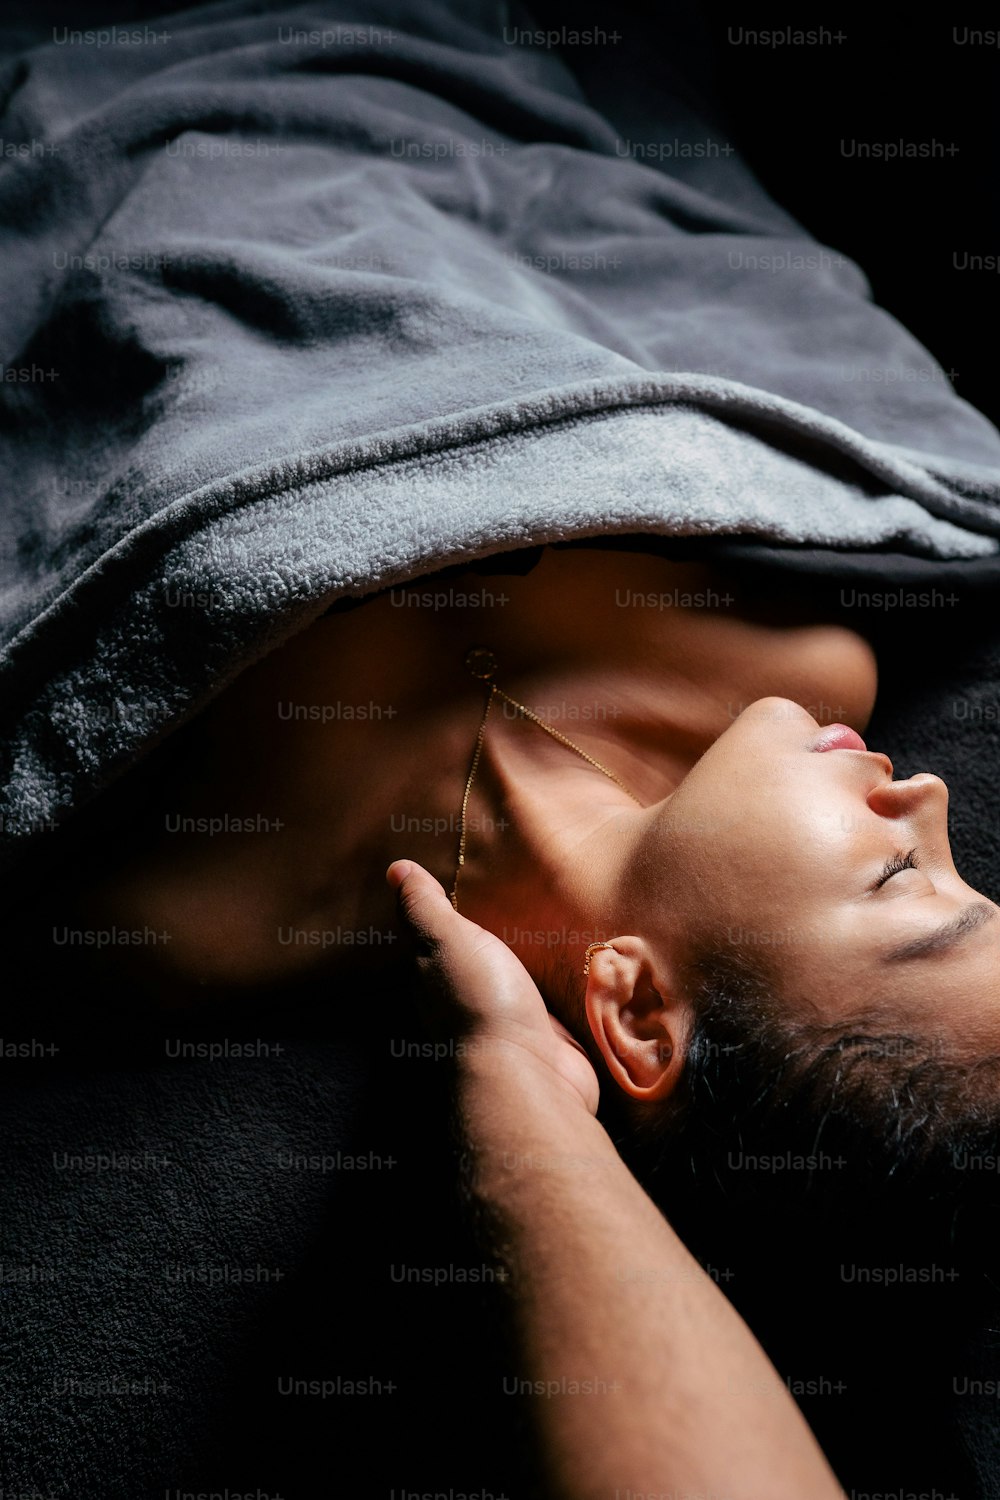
903,221
788,109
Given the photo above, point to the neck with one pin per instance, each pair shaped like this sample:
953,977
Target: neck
549,837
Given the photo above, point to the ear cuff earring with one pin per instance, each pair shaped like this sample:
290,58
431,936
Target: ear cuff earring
593,947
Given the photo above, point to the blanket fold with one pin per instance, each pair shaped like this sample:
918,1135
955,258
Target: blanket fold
306,300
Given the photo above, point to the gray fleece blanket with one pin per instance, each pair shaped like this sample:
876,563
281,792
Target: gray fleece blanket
300,302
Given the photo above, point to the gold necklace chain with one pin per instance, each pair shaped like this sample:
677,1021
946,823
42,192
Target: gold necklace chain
482,664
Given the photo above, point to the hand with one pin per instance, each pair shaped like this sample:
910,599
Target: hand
477,988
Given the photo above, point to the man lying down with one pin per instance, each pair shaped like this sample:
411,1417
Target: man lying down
248,584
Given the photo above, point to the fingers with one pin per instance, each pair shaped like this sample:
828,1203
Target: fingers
565,1035
438,936
425,908
398,871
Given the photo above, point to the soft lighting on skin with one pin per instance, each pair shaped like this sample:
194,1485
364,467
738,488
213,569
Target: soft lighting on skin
798,846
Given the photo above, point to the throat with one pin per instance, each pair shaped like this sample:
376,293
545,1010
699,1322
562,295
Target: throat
545,819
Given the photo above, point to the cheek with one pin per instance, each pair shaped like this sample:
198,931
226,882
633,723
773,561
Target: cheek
765,893
737,881
752,831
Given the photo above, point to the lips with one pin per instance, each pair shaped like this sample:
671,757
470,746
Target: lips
840,737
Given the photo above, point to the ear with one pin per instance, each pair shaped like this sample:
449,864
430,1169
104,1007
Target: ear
637,1020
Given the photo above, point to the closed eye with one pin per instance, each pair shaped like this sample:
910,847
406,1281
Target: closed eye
894,864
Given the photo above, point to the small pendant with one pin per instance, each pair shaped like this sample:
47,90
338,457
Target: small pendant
481,663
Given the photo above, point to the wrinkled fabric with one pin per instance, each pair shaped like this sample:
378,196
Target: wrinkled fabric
303,301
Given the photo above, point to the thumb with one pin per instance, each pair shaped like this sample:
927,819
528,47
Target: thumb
470,977
426,909
445,947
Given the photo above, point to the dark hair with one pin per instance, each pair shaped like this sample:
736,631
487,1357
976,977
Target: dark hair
777,1114
800,1163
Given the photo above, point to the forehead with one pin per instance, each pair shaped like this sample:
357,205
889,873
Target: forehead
952,994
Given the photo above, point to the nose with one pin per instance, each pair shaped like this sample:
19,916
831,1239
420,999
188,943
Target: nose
883,761
896,799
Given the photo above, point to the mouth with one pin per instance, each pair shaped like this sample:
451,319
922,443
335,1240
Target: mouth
839,737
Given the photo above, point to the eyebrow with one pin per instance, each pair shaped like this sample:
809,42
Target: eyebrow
946,936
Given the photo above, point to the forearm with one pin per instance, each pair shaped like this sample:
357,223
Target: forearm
644,1376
